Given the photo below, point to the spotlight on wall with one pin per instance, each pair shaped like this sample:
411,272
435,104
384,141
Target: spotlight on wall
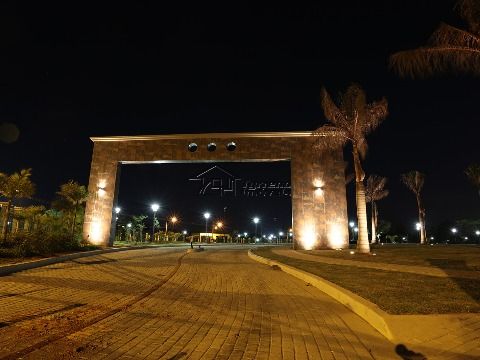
231,146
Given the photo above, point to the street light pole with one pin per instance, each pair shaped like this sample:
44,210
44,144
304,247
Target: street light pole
155,208
206,216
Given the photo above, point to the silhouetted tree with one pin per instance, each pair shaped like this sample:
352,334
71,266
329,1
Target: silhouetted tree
375,191
414,180
15,186
350,122
76,195
449,48
473,173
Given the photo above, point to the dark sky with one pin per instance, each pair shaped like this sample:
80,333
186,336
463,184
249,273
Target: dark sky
68,72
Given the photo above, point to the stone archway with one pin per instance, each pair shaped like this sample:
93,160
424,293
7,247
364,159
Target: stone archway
319,207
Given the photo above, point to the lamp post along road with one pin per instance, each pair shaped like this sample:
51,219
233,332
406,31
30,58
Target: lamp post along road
155,208
206,216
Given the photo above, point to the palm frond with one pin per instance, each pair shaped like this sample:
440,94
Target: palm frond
473,173
328,137
376,112
414,180
375,188
449,35
469,10
331,110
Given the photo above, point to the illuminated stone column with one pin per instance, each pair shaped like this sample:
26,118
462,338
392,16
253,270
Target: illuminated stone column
318,199
101,189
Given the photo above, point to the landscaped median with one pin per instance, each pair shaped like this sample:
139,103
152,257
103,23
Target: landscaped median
405,307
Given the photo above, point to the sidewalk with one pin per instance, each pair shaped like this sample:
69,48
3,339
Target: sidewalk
442,336
424,270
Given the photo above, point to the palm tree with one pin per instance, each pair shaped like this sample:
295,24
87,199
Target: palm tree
75,194
449,48
414,180
374,191
139,224
473,173
350,122
15,186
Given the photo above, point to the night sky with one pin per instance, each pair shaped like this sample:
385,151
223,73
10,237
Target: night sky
70,72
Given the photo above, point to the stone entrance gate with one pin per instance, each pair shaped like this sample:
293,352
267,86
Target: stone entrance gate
319,208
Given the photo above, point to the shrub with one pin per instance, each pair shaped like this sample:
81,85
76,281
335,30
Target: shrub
42,243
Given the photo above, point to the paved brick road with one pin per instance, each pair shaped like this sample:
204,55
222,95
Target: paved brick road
153,304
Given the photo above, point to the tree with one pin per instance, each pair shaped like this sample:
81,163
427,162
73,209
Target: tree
473,173
414,180
75,194
350,122
375,191
139,224
15,186
449,48
30,215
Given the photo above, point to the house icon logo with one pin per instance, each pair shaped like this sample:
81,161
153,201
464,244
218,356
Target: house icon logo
217,181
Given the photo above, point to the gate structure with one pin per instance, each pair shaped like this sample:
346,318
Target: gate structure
319,206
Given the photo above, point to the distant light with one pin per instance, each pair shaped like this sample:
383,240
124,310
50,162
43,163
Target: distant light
206,215
117,210
418,226
280,233
352,252
404,238
352,224
355,229
264,236
245,234
155,207
431,238
256,220
238,235
454,230
466,237
129,225
173,219
374,254
184,232
219,224
477,232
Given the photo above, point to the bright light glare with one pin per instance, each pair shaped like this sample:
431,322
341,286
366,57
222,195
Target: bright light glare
280,233
184,232
173,219
117,210
256,220
477,232
335,238
155,207
206,215
307,237
245,234
454,230
351,223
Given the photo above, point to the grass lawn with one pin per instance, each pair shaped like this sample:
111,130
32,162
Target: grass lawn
454,257
397,292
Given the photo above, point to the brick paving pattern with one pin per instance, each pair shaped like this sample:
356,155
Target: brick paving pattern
218,304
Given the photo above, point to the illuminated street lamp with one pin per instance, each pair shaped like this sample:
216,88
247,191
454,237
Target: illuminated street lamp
454,232
155,208
418,226
477,232
256,220
206,216
280,234
173,220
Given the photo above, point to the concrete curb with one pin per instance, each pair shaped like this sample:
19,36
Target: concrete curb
368,311
13,268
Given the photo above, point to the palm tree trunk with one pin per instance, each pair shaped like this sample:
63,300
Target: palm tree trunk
363,246
5,220
374,222
421,220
